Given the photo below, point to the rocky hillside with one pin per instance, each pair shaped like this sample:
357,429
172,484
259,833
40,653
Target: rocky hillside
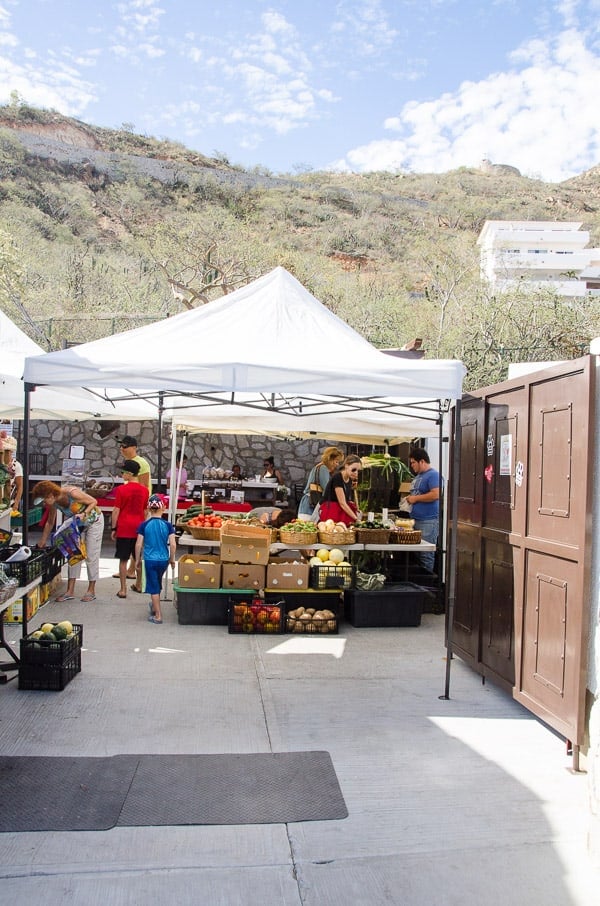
101,230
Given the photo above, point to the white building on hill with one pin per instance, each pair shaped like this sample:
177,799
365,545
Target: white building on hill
542,254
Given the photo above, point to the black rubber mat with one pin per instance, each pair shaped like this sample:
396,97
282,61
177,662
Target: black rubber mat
40,794
43,793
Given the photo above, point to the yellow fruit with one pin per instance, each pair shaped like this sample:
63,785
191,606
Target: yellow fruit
47,627
323,554
67,626
336,555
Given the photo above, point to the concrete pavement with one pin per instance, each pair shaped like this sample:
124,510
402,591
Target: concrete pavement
450,801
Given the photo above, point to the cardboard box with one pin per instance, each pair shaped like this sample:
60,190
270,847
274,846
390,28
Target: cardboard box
203,572
14,613
245,544
288,574
242,575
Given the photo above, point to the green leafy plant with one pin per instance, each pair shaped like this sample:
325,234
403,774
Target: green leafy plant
388,464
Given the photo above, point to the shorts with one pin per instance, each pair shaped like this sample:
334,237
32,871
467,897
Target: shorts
155,570
124,548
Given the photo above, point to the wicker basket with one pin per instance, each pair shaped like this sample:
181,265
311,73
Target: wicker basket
336,538
204,534
413,537
183,526
90,483
372,536
298,537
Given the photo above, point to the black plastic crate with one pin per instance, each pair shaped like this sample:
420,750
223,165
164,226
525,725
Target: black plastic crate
58,653
312,624
50,677
25,571
52,565
206,606
322,577
393,605
255,617
327,599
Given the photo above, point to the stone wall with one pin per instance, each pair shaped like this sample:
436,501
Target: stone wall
294,458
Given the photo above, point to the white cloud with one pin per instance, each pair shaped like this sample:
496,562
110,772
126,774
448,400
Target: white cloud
8,40
141,15
264,82
58,87
364,27
541,116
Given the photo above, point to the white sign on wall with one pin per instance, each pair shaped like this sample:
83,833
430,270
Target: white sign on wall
506,454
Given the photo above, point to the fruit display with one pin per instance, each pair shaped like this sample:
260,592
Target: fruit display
52,643
330,569
205,520
255,617
53,632
297,526
326,557
305,620
298,531
192,511
335,528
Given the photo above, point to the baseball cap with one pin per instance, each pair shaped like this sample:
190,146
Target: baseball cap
131,466
155,502
128,441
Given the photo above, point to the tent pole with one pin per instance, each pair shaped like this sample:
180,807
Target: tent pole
174,474
452,546
25,464
161,409
441,547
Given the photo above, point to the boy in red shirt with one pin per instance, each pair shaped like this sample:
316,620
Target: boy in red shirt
129,511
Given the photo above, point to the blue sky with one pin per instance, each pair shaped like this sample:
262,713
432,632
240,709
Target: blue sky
400,85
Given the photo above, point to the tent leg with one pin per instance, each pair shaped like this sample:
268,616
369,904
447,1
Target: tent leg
452,546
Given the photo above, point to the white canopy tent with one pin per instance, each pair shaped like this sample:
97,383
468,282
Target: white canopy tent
268,358
270,347
48,403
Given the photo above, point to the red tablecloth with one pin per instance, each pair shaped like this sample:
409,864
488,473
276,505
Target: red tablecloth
108,502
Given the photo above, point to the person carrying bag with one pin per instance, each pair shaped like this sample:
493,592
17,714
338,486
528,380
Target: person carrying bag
317,480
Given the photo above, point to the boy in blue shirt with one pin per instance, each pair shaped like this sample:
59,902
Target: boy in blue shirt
156,545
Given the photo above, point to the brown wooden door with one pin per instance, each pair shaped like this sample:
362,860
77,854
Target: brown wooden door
523,539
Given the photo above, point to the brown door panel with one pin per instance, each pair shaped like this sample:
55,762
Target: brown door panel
551,635
524,538
497,623
467,607
471,462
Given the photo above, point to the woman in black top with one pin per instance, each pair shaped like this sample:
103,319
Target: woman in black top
337,502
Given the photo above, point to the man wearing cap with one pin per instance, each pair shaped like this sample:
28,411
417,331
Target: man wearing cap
128,446
131,499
